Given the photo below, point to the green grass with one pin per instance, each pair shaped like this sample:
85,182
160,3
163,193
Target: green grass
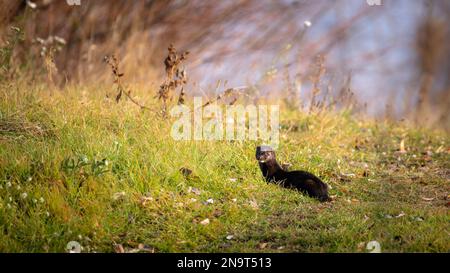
79,151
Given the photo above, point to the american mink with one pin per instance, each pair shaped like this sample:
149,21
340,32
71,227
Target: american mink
302,181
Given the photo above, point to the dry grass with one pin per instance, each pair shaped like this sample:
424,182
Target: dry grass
111,179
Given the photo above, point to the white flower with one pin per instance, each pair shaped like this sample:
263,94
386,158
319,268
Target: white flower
18,187
307,23
209,201
41,200
47,213
34,200
205,222
24,195
229,237
29,179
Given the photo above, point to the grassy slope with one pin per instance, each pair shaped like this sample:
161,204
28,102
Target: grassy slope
41,136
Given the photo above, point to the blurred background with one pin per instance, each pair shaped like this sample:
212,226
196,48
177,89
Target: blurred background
389,60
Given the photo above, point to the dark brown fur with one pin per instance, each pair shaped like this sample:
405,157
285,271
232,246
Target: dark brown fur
300,180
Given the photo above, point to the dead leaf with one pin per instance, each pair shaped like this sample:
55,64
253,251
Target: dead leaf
194,191
145,199
400,215
402,147
205,222
146,248
427,158
119,195
346,177
217,213
262,245
427,199
361,246
253,204
118,248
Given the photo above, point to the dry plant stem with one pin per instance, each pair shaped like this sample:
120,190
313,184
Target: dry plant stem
227,93
143,107
320,71
113,62
181,97
175,77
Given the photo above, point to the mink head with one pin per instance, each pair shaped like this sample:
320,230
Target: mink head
264,154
